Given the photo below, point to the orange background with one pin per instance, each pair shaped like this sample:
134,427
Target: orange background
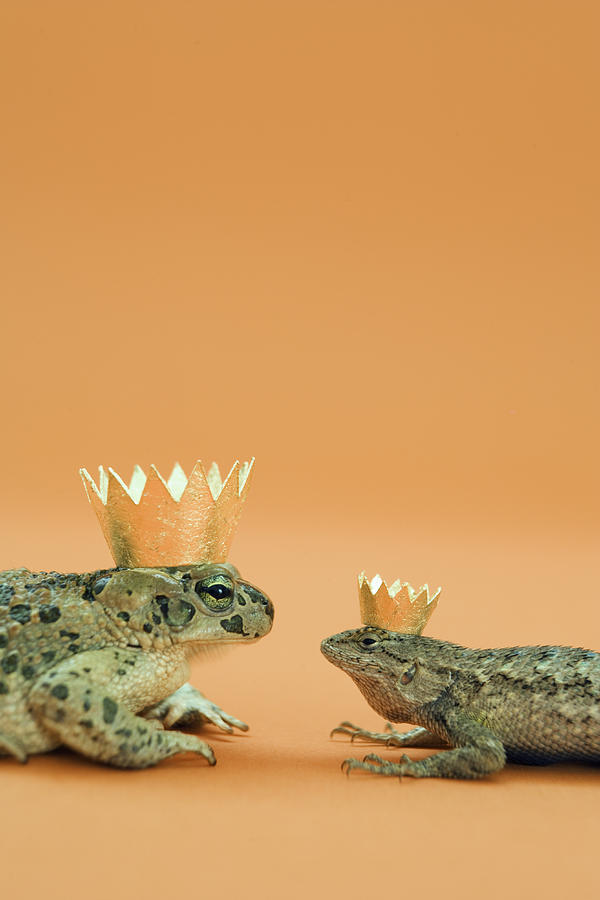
356,240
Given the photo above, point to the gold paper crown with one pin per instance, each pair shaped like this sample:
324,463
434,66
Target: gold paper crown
154,522
397,607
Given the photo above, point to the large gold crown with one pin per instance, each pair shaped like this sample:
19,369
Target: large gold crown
396,608
153,522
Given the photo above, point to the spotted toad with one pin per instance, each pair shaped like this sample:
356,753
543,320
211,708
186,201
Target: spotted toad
99,661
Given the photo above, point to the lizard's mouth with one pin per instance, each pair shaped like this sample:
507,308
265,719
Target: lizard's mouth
337,651
327,649
332,652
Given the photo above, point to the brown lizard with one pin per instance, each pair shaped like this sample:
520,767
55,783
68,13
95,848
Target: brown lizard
522,704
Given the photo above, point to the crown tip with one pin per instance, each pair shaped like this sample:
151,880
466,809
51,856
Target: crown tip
398,607
169,521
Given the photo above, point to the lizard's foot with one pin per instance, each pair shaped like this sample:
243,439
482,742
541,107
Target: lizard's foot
416,737
391,737
378,766
187,707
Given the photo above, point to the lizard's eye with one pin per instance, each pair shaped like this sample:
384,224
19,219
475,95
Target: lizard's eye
216,592
368,643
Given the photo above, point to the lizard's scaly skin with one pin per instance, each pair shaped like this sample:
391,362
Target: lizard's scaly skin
99,661
522,704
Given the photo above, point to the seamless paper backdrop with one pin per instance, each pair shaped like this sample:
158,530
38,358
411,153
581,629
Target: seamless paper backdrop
359,241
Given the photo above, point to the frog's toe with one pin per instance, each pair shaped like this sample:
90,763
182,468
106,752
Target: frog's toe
187,707
12,746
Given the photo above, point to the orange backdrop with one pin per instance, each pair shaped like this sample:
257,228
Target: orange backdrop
359,241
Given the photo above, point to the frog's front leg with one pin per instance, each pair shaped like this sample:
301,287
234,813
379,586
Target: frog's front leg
11,745
187,707
85,703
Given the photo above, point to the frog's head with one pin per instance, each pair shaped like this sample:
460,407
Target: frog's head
201,603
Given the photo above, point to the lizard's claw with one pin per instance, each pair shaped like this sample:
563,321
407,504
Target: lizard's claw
378,766
391,737
347,728
349,764
394,737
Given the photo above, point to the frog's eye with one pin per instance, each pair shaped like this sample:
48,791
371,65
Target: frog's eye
220,591
216,592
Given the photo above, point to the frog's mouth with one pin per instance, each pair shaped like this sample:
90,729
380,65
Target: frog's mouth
217,648
251,595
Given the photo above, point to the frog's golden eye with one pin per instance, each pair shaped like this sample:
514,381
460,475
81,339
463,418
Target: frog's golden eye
216,592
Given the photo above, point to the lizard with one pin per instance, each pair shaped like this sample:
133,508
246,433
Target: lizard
533,705
99,661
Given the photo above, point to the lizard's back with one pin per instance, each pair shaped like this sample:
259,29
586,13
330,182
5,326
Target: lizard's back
543,703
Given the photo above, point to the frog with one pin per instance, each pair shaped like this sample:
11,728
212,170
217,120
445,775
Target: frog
99,661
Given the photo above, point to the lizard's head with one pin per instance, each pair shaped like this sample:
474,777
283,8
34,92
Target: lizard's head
205,603
395,672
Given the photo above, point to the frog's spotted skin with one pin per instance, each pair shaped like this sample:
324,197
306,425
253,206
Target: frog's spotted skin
99,661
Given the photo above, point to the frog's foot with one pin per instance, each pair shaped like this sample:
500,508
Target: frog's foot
12,746
79,713
378,766
391,737
187,707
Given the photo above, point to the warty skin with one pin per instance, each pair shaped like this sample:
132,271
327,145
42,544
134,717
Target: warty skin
99,661
533,705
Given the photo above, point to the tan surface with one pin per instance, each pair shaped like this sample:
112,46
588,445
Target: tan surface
358,241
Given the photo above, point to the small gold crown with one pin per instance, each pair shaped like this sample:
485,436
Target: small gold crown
154,522
397,607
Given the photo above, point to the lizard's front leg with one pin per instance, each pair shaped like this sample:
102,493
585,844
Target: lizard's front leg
477,752
85,703
188,708
417,737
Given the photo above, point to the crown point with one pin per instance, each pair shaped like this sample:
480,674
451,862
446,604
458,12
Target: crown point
116,489
245,474
154,522
231,486
89,484
396,608
96,494
198,489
